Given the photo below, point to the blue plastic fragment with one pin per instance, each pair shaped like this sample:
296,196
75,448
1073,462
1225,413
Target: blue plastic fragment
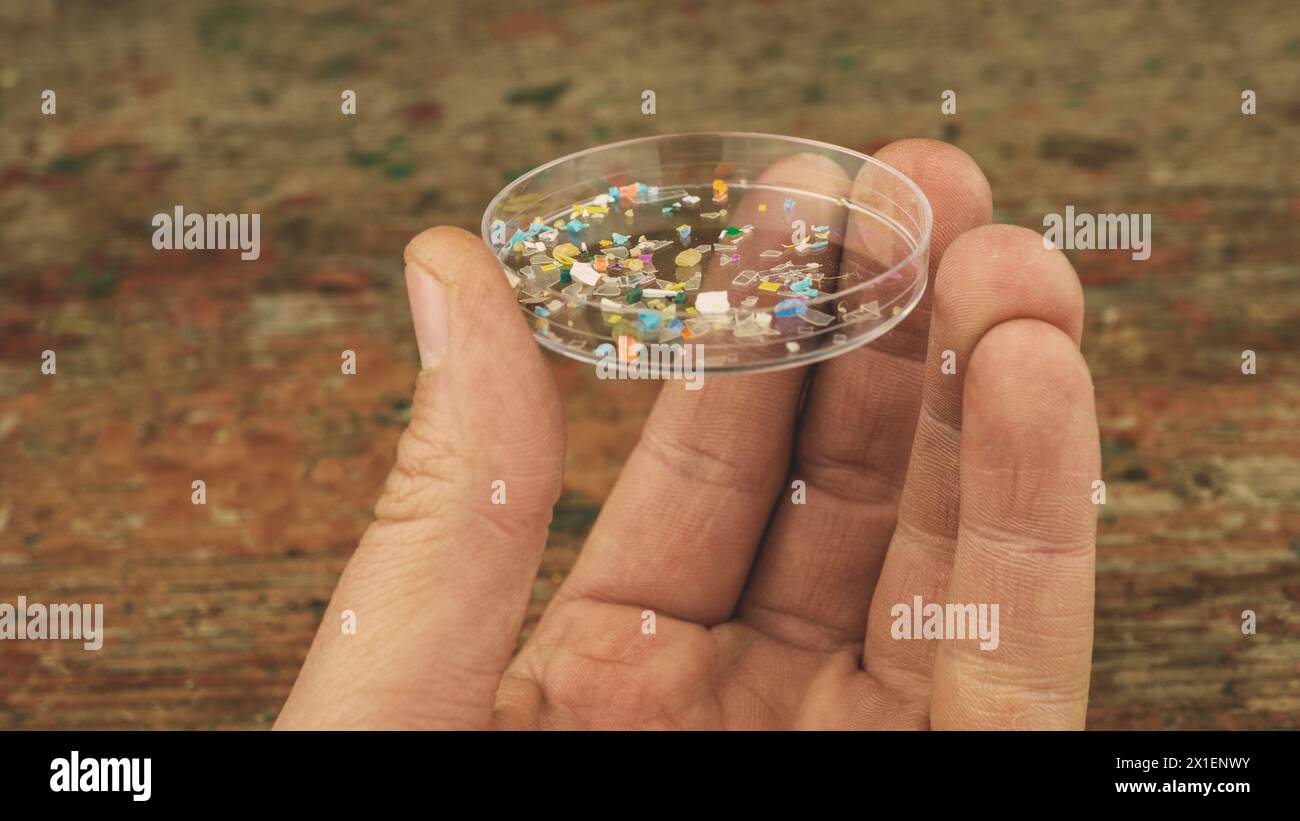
650,320
620,239
604,349
791,307
801,285
541,310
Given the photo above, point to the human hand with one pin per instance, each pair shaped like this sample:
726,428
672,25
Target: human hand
768,614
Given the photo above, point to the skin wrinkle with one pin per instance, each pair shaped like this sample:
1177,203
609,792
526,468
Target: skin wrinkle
850,479
683,462
796,630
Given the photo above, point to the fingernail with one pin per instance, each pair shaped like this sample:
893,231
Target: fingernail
428,299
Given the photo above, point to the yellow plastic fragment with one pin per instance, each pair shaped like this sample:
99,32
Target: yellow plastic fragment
769,286
688,258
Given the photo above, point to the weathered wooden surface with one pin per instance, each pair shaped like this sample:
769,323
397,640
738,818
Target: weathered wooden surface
174,366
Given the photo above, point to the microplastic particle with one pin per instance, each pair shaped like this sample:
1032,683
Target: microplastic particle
688,258
817,317
584,273
712,302
791,307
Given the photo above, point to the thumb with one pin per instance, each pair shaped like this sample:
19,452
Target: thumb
440,584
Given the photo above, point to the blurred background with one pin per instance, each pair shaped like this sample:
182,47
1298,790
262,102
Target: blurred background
183,365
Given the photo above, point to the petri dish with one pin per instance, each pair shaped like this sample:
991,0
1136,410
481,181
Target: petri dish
759,251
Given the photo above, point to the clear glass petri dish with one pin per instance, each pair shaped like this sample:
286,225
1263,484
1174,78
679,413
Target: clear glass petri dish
759,251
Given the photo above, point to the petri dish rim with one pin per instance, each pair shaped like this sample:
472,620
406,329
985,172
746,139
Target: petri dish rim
918,249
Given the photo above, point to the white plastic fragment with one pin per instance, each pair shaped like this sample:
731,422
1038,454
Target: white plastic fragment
584,273
712,302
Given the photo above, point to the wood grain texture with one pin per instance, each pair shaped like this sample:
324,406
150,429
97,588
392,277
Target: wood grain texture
175,366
